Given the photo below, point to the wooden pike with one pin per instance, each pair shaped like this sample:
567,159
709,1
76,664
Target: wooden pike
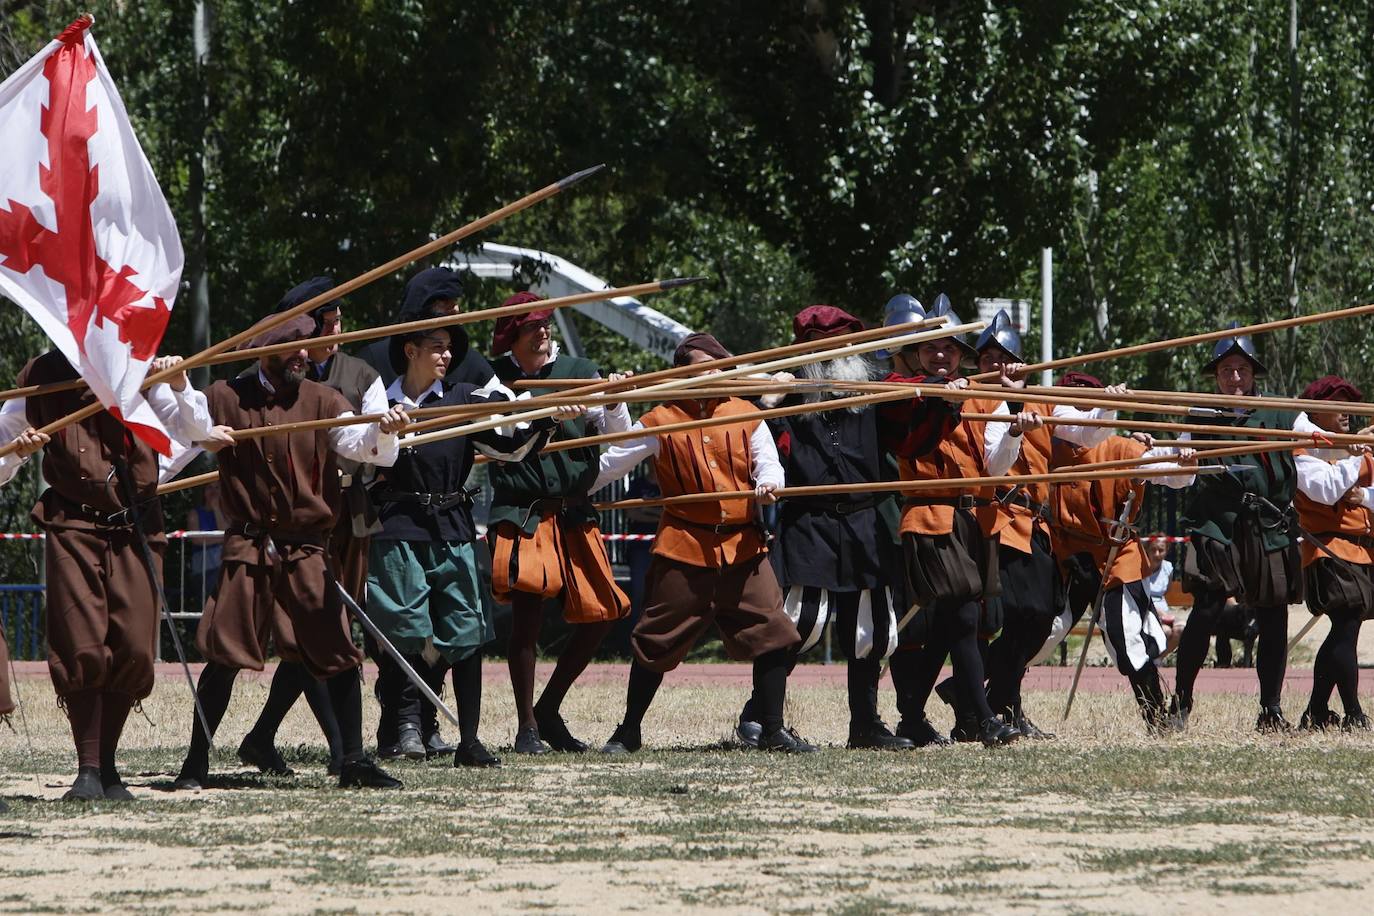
1136,350
187,483
443,321
710,378
1321,440
1244,401
596,386
344,289
1249,448
906,486
707,422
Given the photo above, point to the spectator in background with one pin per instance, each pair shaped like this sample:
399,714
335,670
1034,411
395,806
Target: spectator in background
1159,573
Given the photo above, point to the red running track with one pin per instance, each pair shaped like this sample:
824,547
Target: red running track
1042,677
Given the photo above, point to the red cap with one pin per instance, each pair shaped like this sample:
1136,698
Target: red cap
1080,380
508,328
1331,388
824,321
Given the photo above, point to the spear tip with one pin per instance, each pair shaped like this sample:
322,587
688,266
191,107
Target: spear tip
675,282
575,177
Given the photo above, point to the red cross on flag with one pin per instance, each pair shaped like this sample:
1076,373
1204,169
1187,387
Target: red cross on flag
88,246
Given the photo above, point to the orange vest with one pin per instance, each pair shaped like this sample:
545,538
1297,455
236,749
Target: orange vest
1018,522
1344,518
960,454
713,460
1080,506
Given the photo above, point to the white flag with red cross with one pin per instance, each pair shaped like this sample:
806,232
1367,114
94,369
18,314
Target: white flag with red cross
88,246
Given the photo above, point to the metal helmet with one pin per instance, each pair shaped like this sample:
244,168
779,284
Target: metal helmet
902,308
1241,344
943,309
1001,333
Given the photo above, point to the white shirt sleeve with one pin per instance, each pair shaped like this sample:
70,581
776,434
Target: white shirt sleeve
1324,482
1082,436
185,413
364,443
621,458
999,445
374,398
1174,481
764,451
13,421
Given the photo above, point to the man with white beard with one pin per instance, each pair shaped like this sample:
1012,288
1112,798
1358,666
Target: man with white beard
830,552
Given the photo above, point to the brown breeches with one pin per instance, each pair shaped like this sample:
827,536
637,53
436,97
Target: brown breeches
291,598
102,611
6,699
682,601
349,556
560,558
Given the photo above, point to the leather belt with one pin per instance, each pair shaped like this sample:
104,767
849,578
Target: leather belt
1019,499
437,501
837,506
554,505
255,532
121,519
1359,540
731,528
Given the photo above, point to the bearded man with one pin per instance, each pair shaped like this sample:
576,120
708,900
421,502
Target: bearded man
827,563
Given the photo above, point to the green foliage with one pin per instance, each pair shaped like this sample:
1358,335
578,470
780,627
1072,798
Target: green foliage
1184,165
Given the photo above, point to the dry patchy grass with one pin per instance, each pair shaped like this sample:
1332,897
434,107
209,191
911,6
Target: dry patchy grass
1104,819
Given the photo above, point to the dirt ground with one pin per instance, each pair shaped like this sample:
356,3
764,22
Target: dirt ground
1102,819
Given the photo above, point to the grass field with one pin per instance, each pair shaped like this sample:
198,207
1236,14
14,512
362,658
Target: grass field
1102,819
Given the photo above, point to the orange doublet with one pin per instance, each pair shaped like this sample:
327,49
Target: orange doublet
959,455
1081,506
1342,518
712,460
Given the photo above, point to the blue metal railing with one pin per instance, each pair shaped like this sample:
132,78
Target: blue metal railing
21,619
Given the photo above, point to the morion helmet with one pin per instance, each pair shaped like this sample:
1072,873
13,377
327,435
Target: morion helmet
1241,344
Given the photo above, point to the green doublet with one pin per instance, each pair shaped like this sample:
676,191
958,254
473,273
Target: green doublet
1215,501
567,474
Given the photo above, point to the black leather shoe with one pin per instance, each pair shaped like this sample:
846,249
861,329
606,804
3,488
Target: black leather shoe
748,733
4,808
436,746
623,741
1318,721
365,774
554,731
117,791
335,767
265,757
408,741
787,741
87,786
878,738
1027,728
1179,713
474,755
191,778
1271,721
527,741
921,733
1357,722
965,731
994,732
